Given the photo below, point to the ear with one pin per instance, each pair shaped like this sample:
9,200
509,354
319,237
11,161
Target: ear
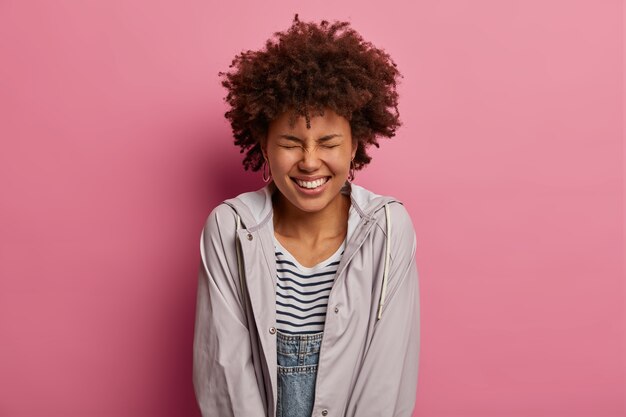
355,146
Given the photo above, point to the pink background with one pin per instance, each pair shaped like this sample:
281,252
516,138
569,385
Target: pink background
114,149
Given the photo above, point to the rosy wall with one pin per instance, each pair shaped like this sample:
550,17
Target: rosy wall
114,149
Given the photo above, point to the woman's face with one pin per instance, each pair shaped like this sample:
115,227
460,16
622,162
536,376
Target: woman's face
309,166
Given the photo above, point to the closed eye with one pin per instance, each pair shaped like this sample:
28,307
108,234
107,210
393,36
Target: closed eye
297,146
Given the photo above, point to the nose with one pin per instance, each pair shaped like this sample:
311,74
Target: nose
310,162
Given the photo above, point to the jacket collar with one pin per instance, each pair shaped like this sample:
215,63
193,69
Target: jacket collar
255,207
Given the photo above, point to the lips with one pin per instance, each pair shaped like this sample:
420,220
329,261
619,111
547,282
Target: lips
310,178
311,184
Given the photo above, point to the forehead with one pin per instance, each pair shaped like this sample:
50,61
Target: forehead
328,121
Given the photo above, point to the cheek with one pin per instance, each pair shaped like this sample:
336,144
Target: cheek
341,162
338,166
281,161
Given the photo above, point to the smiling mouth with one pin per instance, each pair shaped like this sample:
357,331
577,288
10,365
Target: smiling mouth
310,185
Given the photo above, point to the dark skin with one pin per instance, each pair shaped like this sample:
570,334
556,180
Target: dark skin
310,227
311,252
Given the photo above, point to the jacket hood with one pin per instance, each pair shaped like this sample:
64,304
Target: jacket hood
255,209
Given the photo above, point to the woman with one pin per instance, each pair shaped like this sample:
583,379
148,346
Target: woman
308,300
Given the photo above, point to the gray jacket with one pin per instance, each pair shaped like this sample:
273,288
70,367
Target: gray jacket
368,363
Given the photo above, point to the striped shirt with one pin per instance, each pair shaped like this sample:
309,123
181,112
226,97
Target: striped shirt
302,293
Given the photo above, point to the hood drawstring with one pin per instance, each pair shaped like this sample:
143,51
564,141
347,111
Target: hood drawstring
386,270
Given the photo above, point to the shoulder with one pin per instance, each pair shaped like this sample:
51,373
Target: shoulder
220,224
402,228
402,231
400,217
370,201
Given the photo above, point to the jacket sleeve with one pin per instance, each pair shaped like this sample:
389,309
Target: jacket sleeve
386,385
224,378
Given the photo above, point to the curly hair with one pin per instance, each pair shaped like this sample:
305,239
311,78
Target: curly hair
307,68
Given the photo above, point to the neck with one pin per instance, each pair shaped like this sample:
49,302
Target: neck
291,222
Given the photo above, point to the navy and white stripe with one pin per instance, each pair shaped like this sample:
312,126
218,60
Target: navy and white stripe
302,293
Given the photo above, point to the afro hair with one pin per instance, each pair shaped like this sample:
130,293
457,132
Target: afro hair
304,70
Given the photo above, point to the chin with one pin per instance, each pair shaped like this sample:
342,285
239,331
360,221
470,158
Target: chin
312,207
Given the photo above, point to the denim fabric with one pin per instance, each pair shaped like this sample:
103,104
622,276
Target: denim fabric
298,356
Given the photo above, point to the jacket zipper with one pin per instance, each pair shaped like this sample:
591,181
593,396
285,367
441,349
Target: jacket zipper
340,274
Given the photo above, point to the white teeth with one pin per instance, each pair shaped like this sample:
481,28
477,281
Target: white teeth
311,184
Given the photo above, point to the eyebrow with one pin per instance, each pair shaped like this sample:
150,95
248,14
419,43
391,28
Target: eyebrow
322,139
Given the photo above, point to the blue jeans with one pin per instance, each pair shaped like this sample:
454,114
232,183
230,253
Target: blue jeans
298,356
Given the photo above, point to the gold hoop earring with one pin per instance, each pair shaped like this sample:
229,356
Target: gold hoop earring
351,172
267,177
